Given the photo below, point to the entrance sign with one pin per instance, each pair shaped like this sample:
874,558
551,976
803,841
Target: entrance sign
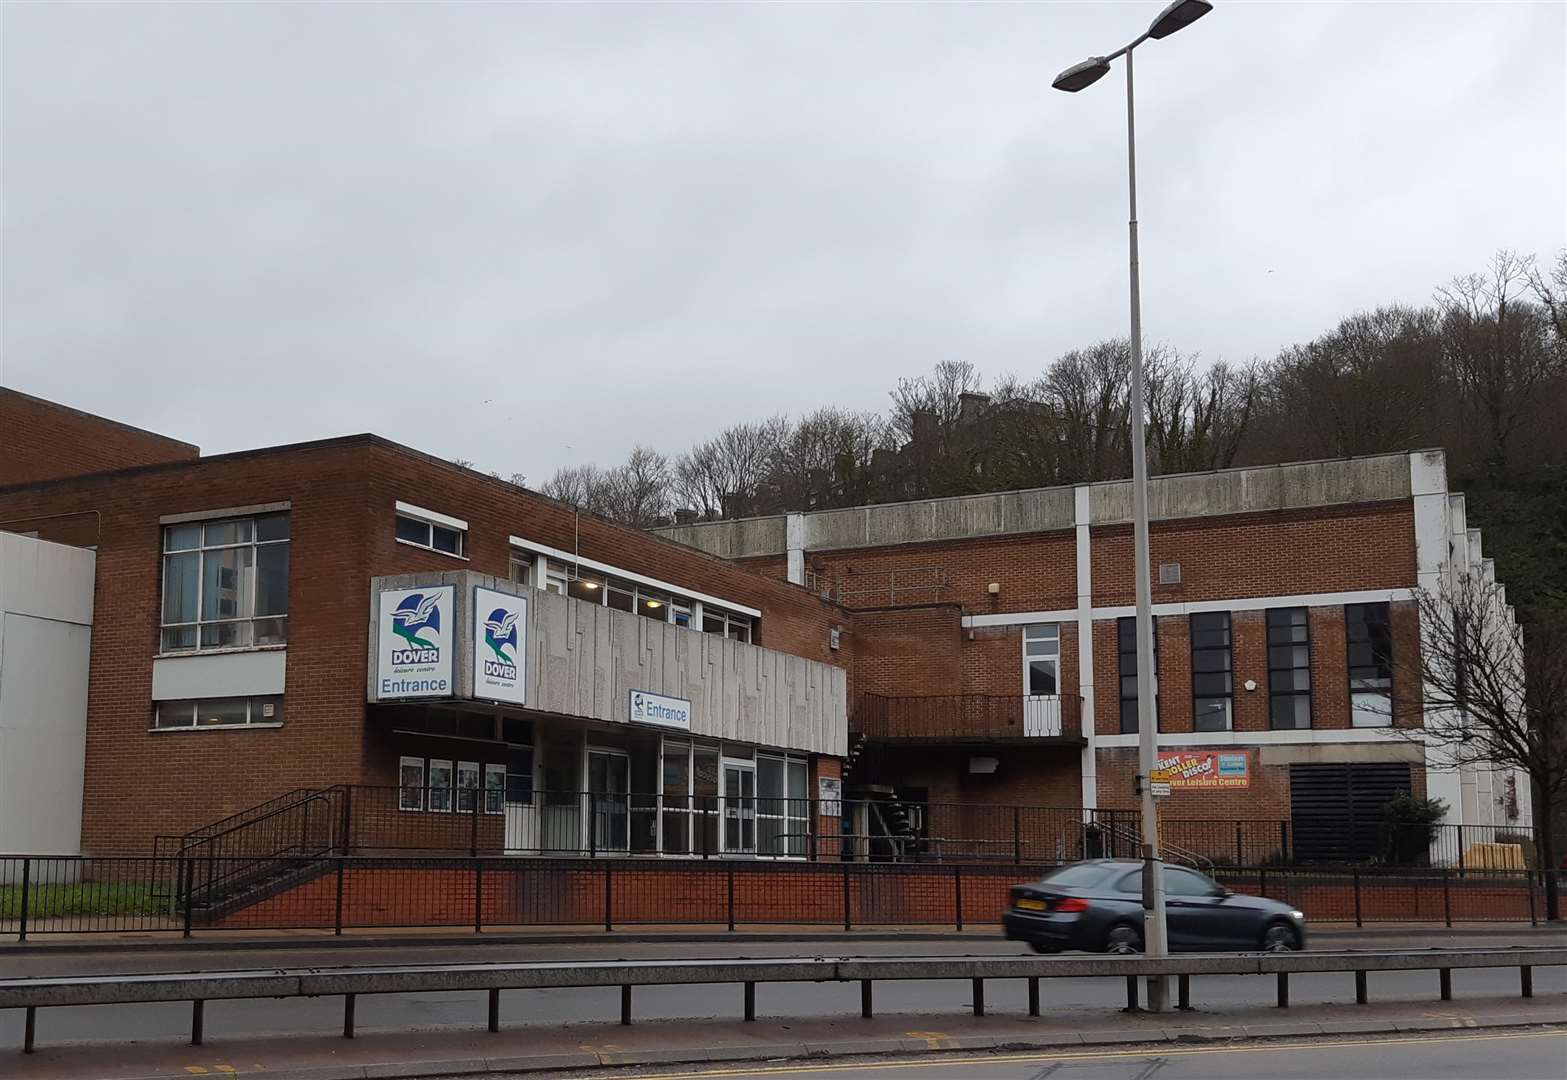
1204,769
415,642
649,708
500,646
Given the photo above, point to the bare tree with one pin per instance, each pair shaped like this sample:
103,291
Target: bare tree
938,395
1490,702
722,476
638,492
583,486
1088,390
1499,346
1196,420
825,459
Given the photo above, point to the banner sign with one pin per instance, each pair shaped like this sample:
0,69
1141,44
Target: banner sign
416,642
649,708
1206,769
500,646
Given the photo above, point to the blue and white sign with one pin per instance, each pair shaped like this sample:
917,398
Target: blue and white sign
649,708
500,646
415,643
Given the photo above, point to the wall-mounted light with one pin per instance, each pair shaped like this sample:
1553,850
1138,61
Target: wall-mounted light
655,603
994,588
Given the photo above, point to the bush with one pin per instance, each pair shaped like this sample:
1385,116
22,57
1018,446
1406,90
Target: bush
1408,827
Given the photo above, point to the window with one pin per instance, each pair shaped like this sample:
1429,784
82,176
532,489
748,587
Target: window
1041,659
521,572
1126,633
427,529
783,807
225,583
218,713
1179,881
1289,669
494,789
722,623
1213,677
440,777
1368,632
589,587
652,605
410,783
467,785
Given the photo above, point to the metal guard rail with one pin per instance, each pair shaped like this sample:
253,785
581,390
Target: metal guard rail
32,994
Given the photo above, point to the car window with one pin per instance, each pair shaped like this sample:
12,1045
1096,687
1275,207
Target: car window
1078,875
1181,882
1131,883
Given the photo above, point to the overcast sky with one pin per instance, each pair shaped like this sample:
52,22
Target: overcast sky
534,235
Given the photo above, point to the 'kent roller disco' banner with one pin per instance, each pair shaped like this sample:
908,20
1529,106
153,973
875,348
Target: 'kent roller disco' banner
1208,769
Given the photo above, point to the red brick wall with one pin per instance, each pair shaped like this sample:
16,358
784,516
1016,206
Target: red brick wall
909,652
42,440
141,784
1325,549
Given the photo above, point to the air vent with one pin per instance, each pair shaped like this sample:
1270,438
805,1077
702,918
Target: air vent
1170,573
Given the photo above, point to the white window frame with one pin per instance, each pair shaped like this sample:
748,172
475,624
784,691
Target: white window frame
1041,643
403,789
254,704
433,519
450,788
200,522
790,803
678,592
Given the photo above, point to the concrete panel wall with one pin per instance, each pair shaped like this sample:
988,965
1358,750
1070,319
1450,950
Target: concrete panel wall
585,660
46,605
1231,491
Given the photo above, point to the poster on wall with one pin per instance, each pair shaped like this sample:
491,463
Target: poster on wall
500,646
829,791
1207,769
415,643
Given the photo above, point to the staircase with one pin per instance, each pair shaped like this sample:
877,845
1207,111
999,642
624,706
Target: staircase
256,853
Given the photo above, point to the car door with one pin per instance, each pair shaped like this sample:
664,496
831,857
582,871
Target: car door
1194,910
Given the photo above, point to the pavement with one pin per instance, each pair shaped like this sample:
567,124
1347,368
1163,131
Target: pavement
442,1034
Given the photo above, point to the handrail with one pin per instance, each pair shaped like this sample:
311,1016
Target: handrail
311,795
34,993
222,822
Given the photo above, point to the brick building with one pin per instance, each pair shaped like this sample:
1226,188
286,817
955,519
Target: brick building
353,631
995,658
307,616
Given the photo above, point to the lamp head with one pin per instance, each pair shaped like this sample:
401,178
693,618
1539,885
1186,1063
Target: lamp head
1082,75
1180,14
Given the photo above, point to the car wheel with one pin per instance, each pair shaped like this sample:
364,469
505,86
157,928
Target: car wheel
1124,938
1039,948
1280,937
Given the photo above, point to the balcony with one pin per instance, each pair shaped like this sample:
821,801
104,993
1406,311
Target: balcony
948,719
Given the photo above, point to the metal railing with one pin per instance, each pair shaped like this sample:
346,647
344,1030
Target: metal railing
972,717
32,994
84,894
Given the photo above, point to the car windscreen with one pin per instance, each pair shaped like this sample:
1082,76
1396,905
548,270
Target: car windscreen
1082,875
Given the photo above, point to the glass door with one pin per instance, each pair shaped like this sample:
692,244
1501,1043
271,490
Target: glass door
609,776
739,808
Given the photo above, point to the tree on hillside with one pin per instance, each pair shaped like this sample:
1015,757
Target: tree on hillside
1489,701
1499,346
723,476
825,460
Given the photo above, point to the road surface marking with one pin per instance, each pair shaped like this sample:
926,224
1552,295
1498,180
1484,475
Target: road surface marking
934,1040
1322,1043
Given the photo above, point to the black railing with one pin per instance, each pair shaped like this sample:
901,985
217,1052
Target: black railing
971,717
82,894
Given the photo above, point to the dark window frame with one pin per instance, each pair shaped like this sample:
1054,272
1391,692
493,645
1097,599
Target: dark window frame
1126,667
1211,618
1286,640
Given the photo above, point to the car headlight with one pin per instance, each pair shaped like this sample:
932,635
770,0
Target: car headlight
1299,916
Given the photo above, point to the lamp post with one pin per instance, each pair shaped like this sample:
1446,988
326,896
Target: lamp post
1179,14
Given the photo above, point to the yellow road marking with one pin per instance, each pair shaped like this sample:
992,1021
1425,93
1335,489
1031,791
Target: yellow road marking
195,1068
934,1040
991,1059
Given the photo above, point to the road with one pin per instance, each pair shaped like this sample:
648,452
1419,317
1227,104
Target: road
1509,1056
138,1040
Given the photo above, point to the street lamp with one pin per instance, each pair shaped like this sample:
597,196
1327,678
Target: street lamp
1177,15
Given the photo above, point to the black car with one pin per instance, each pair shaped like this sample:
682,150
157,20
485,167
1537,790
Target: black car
1097,906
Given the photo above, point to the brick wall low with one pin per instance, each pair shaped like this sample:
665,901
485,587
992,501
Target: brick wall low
503,893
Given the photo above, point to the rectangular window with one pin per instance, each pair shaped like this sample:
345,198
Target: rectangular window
427,529
467,786
1368,634
1213,671
410,783
440,777
1289,669
218,713
782,806
1126,637
1041,659
589,587
521,569
225,583
725,624
494,789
